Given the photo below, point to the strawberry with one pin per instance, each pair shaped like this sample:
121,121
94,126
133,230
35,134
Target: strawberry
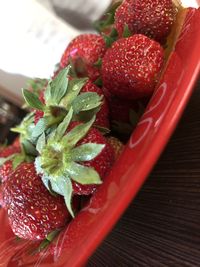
153,18
6,168
102,117
16,142
102,163
83,52
124,114
75,155
38,115
131,66
120,108
116,145
32,211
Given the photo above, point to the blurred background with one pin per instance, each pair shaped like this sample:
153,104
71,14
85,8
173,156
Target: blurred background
34,34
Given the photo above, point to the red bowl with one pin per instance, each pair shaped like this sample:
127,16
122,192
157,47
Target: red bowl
92,224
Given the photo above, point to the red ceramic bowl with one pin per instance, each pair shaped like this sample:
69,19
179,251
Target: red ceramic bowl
89,228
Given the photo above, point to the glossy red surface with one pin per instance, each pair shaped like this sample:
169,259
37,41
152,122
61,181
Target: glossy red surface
147,142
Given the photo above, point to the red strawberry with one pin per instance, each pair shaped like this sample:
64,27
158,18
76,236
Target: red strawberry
33,212
120,109
16,142
131,66
117,146
6,169
38,115
84,51
102,163
153,18
84,156
102,117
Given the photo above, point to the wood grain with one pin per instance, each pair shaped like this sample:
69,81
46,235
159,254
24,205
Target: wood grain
162,225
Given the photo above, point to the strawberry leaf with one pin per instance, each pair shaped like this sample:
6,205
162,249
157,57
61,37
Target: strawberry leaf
108,40
39,128
77,133
87,115
102,129
99,82
122,127
82,174
62,127
98,63
114,33
45,181
86,101
141,109
63,186
109,18
38,168
41,142
86,152
32,100
26,127
51,236
43,245
126,33
133,117
100,25
18,159
3,160
36,84
47,241
29,148
57,88
68,191
73,90
47,93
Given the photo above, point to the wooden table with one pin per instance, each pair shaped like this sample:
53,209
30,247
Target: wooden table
162,225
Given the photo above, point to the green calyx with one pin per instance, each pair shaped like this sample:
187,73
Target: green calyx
126,33
26,126
48,240
109,40
58,159
61,94
17,159
27,142
61,160
36,86
108,19
134,117
4,160
98,63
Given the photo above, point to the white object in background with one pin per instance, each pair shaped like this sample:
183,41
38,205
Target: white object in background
90,9
32,38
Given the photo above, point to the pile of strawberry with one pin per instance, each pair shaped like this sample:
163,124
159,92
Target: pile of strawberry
66,146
